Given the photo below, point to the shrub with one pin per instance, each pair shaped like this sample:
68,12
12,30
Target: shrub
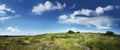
109,33
70,32
78,32
6,35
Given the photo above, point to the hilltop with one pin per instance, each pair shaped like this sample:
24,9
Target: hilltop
62,41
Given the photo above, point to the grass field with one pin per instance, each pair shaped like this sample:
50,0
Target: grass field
61,41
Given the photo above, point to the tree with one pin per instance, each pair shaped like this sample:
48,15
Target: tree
6,35
109,33
70,32
78,32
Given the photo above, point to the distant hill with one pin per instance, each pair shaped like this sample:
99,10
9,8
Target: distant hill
61,41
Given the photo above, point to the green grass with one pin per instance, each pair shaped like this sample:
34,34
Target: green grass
61,41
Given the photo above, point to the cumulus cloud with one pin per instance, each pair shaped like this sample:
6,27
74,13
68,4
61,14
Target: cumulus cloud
4,9
86,12
100,10
12,29
47,6
4,18
85,17
4,13
100,22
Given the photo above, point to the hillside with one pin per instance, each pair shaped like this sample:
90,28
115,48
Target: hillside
61,41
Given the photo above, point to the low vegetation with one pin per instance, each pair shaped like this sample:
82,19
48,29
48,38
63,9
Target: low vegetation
70,32
62,41
110,33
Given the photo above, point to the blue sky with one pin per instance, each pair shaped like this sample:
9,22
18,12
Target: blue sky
27,17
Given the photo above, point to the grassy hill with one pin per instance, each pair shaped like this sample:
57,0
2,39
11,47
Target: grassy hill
61,41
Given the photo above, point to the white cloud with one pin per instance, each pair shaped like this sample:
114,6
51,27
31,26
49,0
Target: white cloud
47,6
100,10
100,22
86,12
84,17
12,29
4,9
4,18
4,13
63,17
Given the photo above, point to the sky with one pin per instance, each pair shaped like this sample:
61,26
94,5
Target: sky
30,17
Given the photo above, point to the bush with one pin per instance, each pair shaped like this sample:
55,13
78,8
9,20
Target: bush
78,32
6,35
70,32
109,33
